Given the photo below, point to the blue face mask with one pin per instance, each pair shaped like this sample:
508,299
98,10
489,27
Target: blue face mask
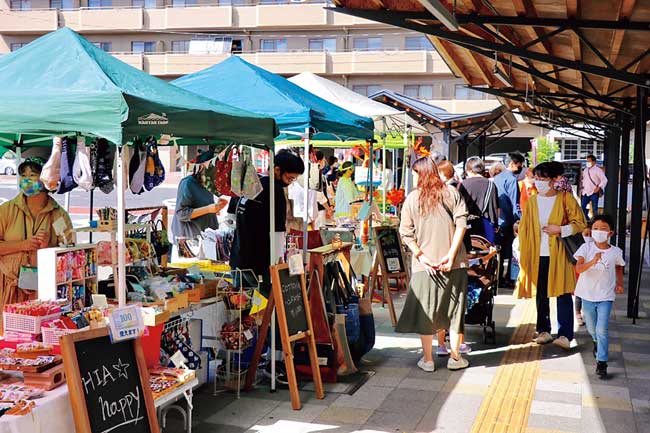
31,187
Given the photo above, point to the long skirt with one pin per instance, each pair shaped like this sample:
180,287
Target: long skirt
435,302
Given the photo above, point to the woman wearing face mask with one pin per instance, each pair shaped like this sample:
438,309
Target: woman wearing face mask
545,269
26,225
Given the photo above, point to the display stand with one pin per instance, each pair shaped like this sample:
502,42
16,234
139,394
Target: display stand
166,402
289,297
75,281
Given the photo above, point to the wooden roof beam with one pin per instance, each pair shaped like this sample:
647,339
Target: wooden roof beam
624,12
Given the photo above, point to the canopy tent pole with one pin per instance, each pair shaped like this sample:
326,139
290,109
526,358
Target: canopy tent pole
90,213
405,171
121,214
306,192
370,188
383,169
272,258
18,156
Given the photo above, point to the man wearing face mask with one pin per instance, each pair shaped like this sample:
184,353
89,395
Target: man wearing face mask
593,185
26,225
510,212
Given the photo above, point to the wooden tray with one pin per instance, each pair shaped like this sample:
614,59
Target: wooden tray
32,368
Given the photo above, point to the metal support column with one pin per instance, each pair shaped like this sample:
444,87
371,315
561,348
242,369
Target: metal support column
481,146
612,152
637,202
446,140
624,182
462,151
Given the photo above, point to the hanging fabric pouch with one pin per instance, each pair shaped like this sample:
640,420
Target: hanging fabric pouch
28,278
223,172
209,178
51,173
251,184
237,175
81,170
154,173
67,183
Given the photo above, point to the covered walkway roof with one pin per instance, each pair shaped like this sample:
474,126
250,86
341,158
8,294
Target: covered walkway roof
559,63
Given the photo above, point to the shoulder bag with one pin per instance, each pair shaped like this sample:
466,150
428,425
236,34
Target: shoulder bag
573,242
600,192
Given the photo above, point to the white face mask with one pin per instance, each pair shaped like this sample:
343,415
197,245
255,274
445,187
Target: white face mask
542,186
600,236
590,164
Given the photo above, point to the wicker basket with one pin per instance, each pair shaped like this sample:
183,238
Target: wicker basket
24,323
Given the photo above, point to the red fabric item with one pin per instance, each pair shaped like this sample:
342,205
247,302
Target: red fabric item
313,238
151,344
222,174
327,374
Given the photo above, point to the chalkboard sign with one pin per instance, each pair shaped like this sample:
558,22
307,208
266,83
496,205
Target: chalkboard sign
293,301
108,384
389,249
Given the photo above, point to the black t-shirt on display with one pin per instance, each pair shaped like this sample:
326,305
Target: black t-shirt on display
251,246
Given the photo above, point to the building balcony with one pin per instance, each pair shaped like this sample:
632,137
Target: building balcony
289,63
28,21
103,20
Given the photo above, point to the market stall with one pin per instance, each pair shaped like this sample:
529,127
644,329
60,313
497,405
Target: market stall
62,85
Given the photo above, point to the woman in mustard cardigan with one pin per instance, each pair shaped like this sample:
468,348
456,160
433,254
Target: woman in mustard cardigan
546,271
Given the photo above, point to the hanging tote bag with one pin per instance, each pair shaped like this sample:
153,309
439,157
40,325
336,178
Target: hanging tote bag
223,172
251,184
573,242
51,173
154,173
67,183
237,175
209,174
101,162
137,166
81,170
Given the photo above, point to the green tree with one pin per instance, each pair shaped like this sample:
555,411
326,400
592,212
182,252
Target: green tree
546,150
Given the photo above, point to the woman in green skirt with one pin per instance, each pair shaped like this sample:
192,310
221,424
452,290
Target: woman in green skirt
432,225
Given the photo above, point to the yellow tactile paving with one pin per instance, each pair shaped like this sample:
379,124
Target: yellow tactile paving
507,404
543,430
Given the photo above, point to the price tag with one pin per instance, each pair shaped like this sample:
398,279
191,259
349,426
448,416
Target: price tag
248,334
178,359
392,264
126,323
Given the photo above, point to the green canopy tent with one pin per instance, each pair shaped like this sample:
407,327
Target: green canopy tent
62,84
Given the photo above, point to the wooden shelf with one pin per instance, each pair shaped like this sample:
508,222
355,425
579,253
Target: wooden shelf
76,280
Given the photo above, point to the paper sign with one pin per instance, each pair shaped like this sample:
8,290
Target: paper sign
248,334
178,359
59,227
296,267
100,301
126,323
392,264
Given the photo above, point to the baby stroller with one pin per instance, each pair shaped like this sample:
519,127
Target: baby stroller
483,279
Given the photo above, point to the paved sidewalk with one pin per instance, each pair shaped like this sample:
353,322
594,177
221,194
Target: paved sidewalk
513,386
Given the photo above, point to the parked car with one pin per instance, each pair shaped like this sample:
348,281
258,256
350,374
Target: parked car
8,163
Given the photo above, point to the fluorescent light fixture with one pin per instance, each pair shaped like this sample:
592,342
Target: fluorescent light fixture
436,9
501,76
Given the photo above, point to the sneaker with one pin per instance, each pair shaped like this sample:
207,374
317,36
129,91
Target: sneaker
562,342
426,366
601,369
280,373
442,351
543,338
464,348
457,364
579,319
595,351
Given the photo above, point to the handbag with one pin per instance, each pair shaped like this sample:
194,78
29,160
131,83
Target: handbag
237,175
600,192
573,242
223,173
51,173
81,170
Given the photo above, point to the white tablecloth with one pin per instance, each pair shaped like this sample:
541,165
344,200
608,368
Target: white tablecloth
52,414
361,261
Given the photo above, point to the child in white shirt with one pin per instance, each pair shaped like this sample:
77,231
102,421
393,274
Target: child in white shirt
600,266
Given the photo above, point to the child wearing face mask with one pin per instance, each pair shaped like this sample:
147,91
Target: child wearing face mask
600,266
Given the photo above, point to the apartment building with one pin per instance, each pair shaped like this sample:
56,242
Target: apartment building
171,38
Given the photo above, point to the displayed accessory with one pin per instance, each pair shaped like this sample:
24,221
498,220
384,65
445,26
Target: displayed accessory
31,187
51,173
543,187
251,185
81,170
573,242
67,183
154,173
223,173
600,236
101,162
137,167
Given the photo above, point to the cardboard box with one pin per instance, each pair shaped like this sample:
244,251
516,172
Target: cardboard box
193,295
183,300
208,288
171,305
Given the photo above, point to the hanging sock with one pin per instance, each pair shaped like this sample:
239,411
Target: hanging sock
154,173
101,161
82,172
67,161
51,173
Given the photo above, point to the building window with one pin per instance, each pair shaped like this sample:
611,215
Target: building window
180,47
61,4
17,45
327,44
104,46
20,5
98,4
461,91
237,46
138,47
367,89
183,3
417,43
273,45
367,44
570,149
419,91
146,4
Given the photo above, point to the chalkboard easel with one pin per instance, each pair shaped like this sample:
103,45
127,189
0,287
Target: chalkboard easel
108,384
390,261
289,299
